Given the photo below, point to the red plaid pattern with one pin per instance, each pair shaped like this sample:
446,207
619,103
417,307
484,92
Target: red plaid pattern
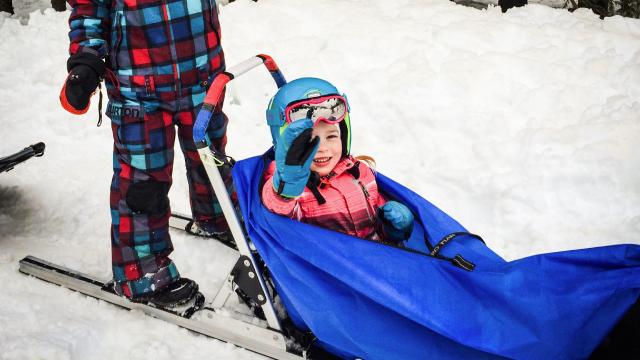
140,242
161,56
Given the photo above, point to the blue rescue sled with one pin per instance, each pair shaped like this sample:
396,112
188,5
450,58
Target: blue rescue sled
373,301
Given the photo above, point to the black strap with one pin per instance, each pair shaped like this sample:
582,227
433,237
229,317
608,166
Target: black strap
354,170
457,260
445,240
316,193
99,105
280,187
461,262
312,185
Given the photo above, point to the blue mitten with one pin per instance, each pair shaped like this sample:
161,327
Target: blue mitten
396,219
295,150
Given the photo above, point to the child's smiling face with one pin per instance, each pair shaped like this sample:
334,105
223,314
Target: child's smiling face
330,149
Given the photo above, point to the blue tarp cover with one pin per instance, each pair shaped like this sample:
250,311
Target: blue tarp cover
374,301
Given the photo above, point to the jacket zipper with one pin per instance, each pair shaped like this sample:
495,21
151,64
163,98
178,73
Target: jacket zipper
366,198
118,39
172,48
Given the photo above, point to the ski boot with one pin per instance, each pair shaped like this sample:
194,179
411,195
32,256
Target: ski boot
181,297
178,293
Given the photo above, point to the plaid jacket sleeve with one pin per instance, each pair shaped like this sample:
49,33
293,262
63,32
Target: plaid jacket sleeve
89,25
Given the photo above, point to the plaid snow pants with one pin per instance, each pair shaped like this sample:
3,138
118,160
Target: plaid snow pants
160,55
144,134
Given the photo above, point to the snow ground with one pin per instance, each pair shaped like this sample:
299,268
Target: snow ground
523,126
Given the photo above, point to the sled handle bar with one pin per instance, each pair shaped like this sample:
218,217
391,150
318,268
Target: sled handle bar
212,161
217,88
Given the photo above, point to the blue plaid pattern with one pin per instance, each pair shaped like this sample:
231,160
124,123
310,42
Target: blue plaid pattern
143,151
161,56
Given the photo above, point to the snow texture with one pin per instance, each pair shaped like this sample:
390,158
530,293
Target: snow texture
523,126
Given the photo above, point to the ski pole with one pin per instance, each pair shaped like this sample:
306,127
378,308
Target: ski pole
7,163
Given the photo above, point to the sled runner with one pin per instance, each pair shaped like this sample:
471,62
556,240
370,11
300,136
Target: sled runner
442,294
7,163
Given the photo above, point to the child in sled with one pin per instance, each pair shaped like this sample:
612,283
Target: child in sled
314,179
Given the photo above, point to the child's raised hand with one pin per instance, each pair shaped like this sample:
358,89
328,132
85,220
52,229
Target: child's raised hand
295,150
397,220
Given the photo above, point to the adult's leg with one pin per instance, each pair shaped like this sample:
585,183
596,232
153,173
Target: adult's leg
143,161
204,203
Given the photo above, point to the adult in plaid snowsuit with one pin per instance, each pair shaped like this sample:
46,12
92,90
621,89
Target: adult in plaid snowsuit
158,58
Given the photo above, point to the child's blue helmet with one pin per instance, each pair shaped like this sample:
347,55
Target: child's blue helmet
298,90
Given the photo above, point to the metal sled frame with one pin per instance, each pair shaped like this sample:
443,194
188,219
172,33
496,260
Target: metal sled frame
269,340
244,273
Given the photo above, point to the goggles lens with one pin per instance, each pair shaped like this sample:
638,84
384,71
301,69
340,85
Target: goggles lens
330,108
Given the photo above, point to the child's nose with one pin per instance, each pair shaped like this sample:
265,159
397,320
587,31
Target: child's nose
322,147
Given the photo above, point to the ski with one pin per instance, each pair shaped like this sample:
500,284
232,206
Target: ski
189,225
204,321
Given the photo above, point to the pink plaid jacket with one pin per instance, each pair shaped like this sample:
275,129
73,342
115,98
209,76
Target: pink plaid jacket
351,202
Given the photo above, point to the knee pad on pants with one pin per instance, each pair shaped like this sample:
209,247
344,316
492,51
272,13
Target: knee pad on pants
148,197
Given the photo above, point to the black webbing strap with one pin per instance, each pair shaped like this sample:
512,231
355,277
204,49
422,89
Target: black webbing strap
434,251
314,182
280,187
461,262
99,105
354,170
312,185
445,240
457,260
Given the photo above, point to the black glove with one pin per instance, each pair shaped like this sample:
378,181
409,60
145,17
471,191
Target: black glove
85,71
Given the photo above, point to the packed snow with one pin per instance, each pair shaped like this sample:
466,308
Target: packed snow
523,126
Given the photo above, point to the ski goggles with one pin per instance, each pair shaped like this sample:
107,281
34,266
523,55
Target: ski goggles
328,108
